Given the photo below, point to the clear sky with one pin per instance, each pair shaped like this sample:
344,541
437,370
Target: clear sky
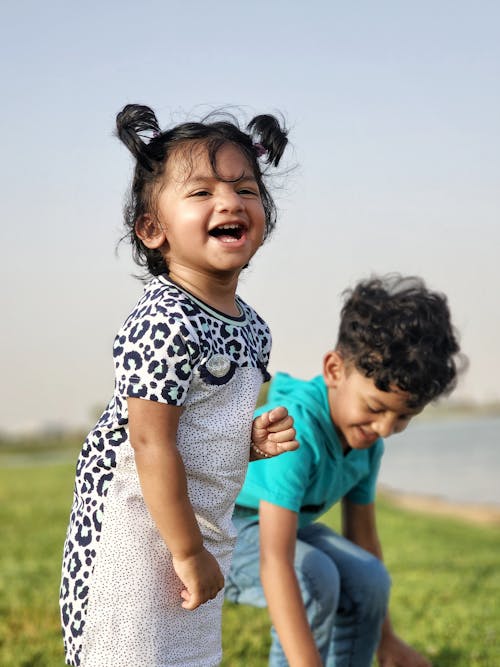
394,115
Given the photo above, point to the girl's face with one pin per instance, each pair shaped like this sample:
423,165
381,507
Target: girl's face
209,226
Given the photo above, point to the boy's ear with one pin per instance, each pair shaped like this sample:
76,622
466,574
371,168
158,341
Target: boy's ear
150,232
333,368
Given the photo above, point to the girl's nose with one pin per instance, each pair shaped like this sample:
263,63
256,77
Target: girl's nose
229,200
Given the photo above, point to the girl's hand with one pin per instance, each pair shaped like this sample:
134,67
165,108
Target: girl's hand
272,434
201,576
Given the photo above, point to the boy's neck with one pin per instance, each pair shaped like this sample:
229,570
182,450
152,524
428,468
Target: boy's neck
346,448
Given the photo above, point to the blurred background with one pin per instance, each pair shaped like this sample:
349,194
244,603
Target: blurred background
393,110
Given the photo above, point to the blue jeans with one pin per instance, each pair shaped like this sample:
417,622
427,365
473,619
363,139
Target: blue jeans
345,591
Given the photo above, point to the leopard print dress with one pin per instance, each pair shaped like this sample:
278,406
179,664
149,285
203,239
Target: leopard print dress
120,597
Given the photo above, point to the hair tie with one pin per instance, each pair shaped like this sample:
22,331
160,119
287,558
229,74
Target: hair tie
260,149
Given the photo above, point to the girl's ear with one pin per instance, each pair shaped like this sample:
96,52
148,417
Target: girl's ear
333,368
150,232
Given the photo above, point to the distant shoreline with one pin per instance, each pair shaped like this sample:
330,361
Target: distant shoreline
482,514
477,513
459,411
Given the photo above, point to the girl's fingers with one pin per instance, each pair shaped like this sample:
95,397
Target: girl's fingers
193,601
281,425
190,605
272,417
275,428
282,436
277,413
288,446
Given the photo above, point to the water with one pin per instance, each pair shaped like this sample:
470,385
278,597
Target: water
458,460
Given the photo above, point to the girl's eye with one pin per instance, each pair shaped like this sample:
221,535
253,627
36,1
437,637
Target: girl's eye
375,411
248,191
200,193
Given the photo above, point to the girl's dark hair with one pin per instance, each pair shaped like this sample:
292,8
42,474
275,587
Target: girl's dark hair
397,332
138,129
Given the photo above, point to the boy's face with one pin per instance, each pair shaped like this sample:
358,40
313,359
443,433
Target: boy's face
361,412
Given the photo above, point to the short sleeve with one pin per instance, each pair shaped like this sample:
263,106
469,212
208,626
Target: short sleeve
292,469
365,490
259,340
154,356
263,361
265,337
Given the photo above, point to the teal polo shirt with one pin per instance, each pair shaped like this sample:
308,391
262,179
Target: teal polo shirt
314,477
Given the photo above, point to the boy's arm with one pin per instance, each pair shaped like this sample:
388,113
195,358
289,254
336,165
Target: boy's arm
359,526
278,535
153,436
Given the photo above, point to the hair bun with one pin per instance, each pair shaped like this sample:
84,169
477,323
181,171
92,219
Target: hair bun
133,121
270,135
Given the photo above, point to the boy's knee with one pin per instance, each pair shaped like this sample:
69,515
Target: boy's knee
376,583
383,578
319,580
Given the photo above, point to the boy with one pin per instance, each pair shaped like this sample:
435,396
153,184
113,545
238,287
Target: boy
328,594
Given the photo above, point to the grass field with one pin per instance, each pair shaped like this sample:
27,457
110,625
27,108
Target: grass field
446,580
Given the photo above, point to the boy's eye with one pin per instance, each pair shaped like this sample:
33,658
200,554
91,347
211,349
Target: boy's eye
200,193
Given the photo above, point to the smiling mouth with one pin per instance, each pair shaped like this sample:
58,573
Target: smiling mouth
231,231
368,437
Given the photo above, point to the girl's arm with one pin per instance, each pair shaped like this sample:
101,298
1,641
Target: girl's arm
272,434
153,436
359,526
278,535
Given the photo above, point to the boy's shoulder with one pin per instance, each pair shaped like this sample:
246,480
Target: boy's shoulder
308,395
307,402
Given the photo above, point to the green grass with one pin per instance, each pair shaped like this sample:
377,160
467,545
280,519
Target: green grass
446,580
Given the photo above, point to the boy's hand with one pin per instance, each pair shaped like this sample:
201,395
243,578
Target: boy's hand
394,652
273,434
201,576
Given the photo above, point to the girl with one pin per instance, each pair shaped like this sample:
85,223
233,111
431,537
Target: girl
150,534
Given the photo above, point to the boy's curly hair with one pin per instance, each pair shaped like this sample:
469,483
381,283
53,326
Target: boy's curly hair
398,332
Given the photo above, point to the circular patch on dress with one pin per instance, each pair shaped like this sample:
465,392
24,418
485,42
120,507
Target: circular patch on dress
218,369
218,365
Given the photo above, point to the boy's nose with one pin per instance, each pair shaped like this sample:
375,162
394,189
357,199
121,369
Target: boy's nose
385,425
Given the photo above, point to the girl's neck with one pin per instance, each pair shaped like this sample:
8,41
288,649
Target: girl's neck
217,291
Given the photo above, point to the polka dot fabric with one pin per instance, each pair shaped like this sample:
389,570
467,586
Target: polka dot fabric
120,598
